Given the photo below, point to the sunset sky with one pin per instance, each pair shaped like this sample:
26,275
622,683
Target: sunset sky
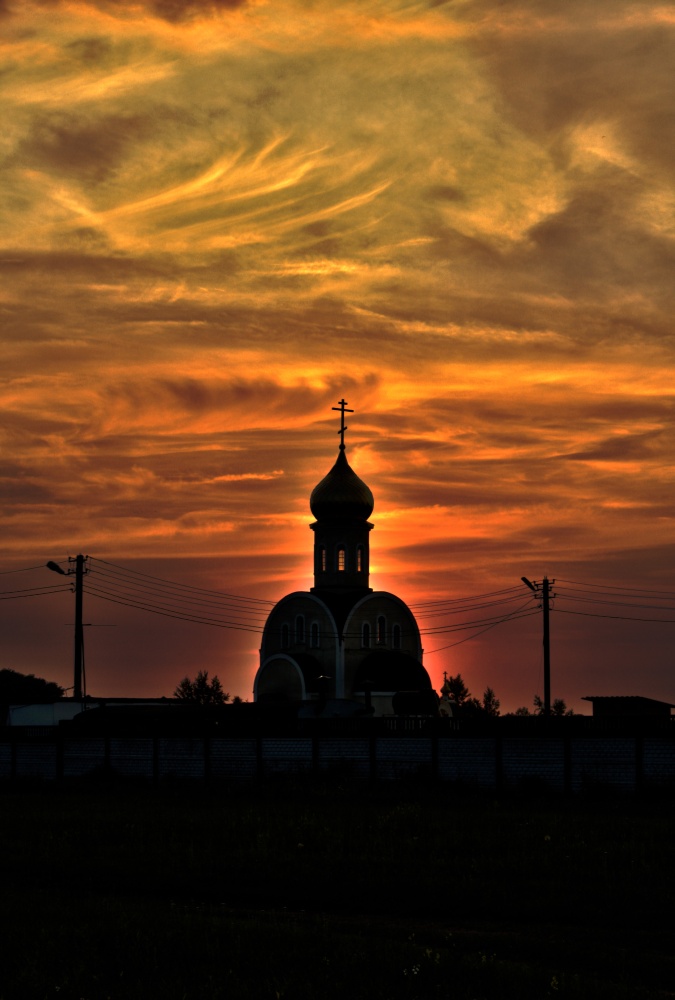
219,218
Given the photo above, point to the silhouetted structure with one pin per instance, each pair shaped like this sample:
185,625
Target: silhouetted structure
341,647
628,707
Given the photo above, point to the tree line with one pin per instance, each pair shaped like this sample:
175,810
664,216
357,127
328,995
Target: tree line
457,692
24,689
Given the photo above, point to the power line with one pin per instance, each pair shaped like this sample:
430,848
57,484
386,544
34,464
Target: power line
461,600
616,604
169,614
26,569
512,617
124,571
168,599
602,586
13,595
627,618
469,607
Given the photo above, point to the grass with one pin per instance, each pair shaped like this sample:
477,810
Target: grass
125,892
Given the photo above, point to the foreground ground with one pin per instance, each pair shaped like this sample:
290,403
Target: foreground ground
186,893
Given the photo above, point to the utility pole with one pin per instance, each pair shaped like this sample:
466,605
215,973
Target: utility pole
543,589
79,630
546,590
78,572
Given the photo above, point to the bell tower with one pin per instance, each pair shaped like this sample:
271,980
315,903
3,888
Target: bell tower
341,504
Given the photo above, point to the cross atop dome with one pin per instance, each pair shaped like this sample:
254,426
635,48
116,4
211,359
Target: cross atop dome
341,495
342,407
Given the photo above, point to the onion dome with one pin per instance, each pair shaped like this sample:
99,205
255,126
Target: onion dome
341,494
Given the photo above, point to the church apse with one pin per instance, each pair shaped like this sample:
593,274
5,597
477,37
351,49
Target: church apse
341,645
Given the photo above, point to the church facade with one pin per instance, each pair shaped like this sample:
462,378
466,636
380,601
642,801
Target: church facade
342,646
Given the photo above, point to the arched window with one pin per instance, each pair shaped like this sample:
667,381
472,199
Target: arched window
381,630
396,636
285,636
315,635
322,559
341,559
365,635
359,559
300,628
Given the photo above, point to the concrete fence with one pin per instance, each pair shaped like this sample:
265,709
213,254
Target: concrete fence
560,763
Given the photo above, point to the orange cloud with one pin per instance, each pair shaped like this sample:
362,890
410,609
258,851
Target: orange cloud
221,218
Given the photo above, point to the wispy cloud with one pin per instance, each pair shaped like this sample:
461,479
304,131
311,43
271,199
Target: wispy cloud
219,218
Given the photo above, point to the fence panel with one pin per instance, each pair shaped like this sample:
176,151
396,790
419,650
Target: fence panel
348,757
182,758
286,755
527,761
469,761
603,763
658,763
37,760
81,757
403,758
234,758
132,757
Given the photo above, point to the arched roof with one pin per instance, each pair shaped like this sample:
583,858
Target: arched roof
307,666
376,598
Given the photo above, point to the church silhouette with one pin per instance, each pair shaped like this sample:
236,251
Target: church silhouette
342,648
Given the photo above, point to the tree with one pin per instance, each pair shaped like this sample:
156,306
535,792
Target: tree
558,707
491,702
456,690
27,689
201,691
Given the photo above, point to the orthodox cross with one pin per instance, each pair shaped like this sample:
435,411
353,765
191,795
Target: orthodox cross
342,407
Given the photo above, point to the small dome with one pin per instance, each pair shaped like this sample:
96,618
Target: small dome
341,494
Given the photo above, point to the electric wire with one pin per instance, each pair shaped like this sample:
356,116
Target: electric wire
469,607
626,618
462,600
12,595
171,614
143,591
483,623
616,604
608,586
26,569
187,603
603,597
168,600
512,617
114,568
184,602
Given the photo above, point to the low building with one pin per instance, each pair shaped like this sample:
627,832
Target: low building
628,707
66,709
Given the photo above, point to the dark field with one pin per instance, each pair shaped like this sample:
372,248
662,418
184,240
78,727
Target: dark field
319,891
